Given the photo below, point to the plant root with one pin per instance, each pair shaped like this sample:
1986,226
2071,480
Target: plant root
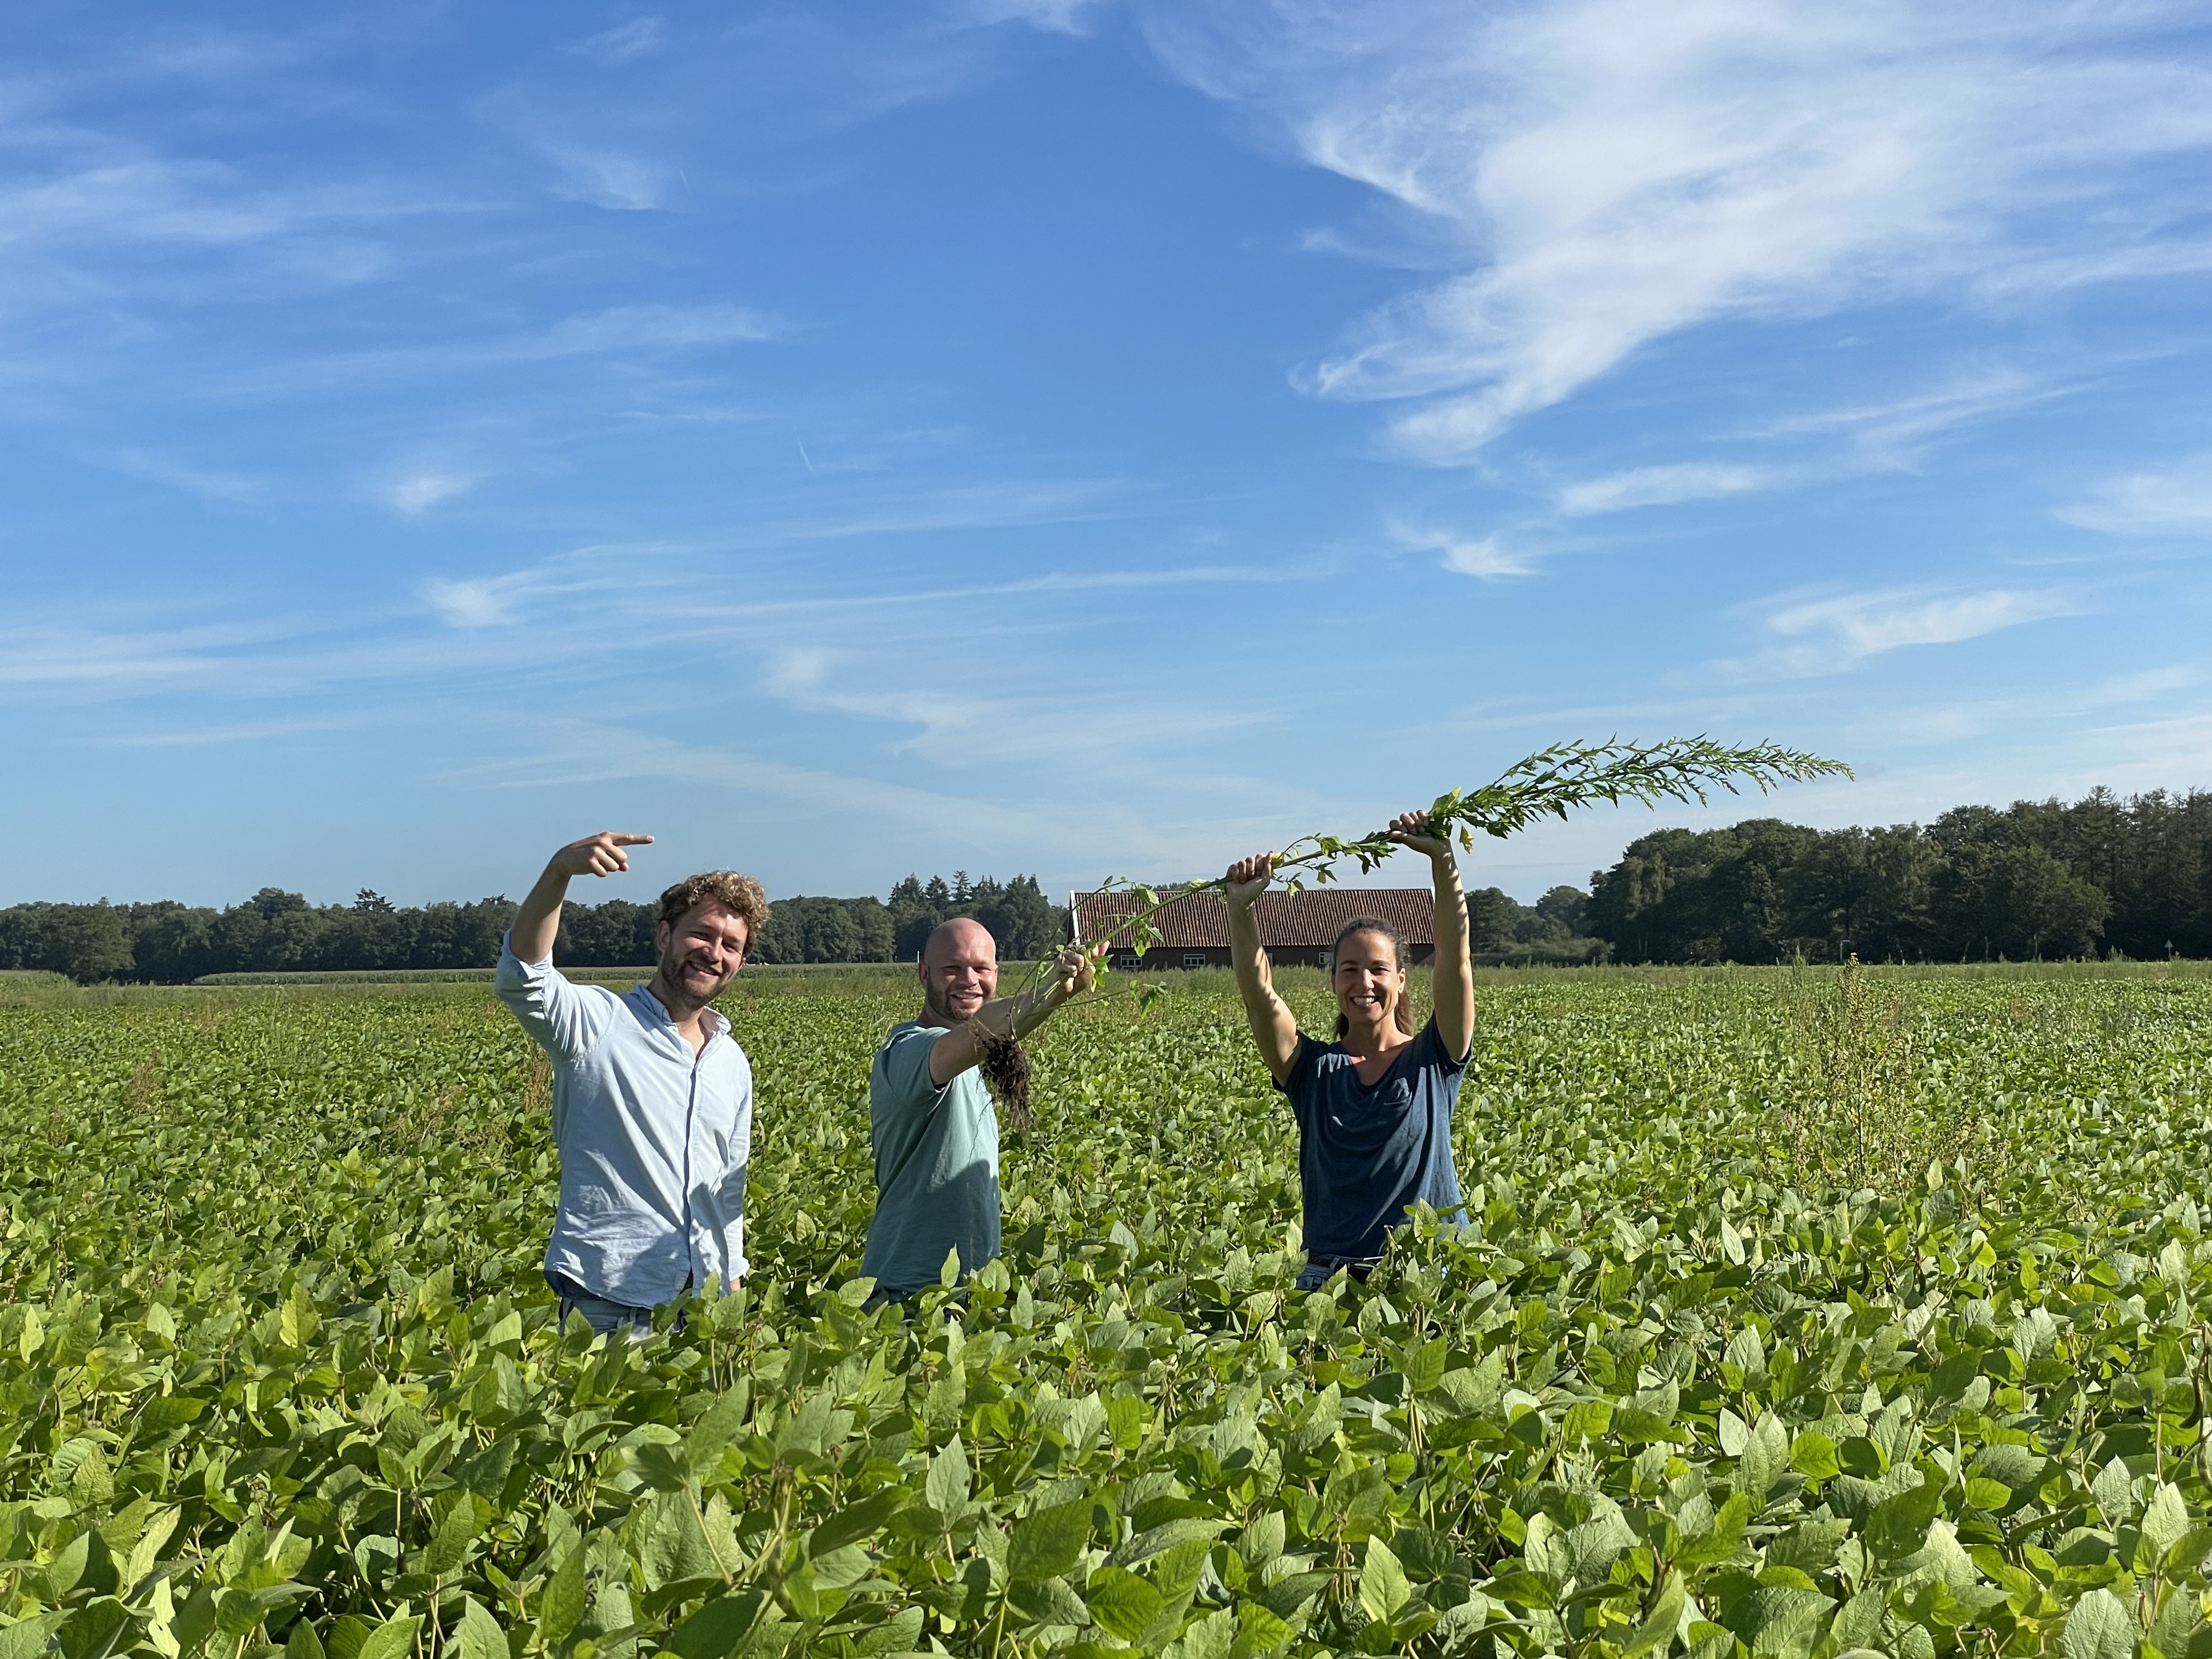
1006,1069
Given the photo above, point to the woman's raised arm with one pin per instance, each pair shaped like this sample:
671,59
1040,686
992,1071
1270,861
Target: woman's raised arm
1273,1027
1451,972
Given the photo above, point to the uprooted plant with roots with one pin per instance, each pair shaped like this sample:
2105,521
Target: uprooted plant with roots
1006,1069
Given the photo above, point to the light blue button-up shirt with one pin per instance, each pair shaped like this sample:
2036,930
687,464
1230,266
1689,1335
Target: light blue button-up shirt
654,1139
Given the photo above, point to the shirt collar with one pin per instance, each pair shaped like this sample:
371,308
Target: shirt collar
643,998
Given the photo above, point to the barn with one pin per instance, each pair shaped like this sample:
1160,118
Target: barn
1296,929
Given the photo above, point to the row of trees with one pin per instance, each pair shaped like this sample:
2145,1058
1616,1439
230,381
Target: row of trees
279,932
1555,929
2039,879
2036,879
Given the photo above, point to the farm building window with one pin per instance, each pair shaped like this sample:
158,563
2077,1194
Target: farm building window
1128,964
1193,958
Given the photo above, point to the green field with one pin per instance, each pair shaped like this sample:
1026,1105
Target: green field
1804,1313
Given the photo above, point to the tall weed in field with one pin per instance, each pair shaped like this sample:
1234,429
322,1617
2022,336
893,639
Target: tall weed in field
1855,1115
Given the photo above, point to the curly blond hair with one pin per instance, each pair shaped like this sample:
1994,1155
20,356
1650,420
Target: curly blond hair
739,895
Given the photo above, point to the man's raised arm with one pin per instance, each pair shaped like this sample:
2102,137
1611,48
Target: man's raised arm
1016,1016
538,923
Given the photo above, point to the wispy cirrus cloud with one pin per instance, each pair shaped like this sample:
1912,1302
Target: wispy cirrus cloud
80,658
1488,558
1123,732
606,177
645,331
1820,446
1830,634
209,483
1893,432
977,506
247,731
1055,16
640,36
1604,174
1663,486
2175,502
1109,834
415,493
644,593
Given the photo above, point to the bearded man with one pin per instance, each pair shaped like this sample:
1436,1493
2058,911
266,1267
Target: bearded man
652,1099
935,1131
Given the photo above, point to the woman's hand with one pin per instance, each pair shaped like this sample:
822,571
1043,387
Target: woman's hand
1249,877
1412,829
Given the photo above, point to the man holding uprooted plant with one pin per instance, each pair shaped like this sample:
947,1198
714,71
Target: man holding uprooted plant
935,1132
1374,1107
652,1099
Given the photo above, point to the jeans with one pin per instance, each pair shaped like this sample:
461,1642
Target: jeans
604,1317
1320,1269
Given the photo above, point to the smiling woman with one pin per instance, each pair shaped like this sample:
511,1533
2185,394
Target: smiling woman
1373,1107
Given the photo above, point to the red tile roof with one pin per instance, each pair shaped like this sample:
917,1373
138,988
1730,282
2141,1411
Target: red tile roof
1201,920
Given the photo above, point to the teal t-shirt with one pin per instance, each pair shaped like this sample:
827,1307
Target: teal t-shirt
937,1165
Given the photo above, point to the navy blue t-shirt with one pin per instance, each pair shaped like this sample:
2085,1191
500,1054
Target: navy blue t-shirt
1365,1155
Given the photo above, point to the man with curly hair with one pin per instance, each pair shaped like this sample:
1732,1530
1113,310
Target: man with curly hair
652,1099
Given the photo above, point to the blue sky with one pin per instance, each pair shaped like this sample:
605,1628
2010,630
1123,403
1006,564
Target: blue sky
1078,438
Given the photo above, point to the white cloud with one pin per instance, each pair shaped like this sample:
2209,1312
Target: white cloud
1893,432
663,328
1487,557
1613,172
1053,16
1839,631
608,177
2146,686
1658,486
142,199
639,37
604,150
1107,835
107,659
2178,502
818,679
203,482
232,732
1119,735
975,507
635,328
1891,435
2162,754
479,602
418,492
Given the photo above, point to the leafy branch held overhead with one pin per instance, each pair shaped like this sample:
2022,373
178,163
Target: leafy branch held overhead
1551,783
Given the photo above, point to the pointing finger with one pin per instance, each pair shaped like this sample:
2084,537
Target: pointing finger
624,838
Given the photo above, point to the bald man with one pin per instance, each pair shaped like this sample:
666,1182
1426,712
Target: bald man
935,1132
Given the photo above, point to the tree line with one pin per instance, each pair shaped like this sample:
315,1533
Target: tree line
278,932
1554,932
2101,877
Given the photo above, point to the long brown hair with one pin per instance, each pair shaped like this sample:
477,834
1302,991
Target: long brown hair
1401,1013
